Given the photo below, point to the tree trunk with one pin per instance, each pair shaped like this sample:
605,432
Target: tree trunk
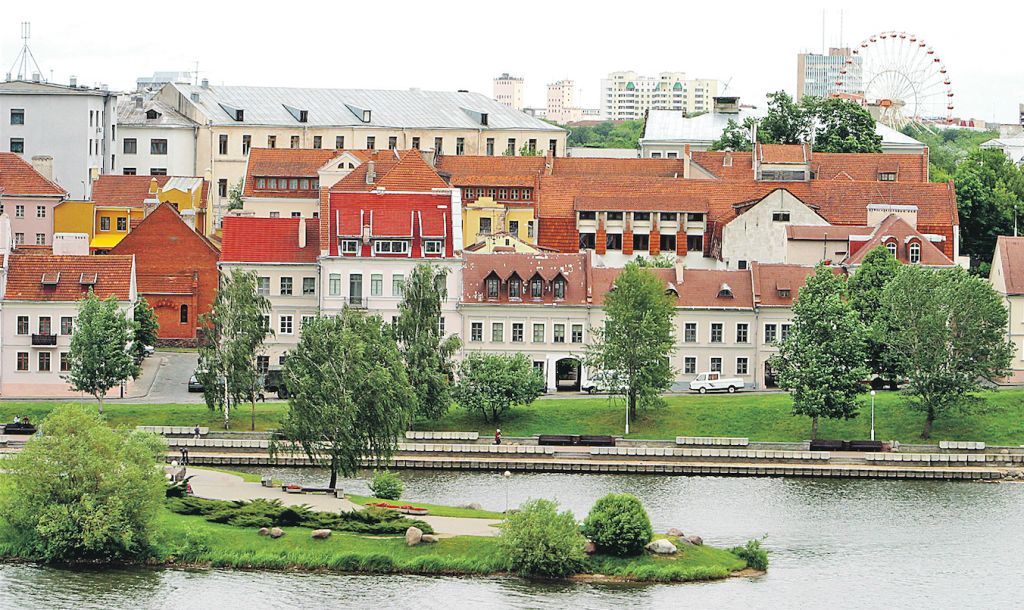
334,472
632,405
99,397
927,432
226,422
814,428
254,414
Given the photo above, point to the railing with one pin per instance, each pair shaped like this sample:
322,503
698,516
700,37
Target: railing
44,339
357,302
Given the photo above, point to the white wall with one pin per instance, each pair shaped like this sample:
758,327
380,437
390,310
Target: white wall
180,157
754,236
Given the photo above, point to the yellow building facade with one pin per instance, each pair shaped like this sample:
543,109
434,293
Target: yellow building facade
485,216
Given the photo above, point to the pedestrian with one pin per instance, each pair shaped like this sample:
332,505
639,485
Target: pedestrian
196,431
497,437
17,419
184,456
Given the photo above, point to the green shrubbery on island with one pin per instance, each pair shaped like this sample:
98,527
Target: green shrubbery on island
537,540
619,525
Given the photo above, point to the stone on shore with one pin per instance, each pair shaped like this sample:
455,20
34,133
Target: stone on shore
695,540
683,541
276,532
474,506
320,533
589,547
413,536
677,533
428,538
263,532
662,547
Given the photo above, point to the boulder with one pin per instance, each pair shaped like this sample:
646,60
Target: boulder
320,533
276,532
683,541
428,538
695,540
677,533
589,547
263,532
474,506
413,536
662,547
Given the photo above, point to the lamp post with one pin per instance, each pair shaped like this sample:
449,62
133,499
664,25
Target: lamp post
872,415
627,417
508,477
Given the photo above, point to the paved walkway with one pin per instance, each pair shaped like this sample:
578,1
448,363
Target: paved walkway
223,486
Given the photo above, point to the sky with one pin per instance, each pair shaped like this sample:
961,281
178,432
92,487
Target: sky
449,45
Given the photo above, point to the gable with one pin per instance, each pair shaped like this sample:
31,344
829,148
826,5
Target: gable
163,233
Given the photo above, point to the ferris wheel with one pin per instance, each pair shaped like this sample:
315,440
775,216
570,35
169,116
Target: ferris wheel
904,76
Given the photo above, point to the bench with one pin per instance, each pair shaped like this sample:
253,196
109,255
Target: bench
336,491
597,441
822,445
557,439
173,430
19,429
970,445
712,440
427,435
866,445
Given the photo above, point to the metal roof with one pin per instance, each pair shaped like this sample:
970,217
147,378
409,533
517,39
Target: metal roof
128,115
334,108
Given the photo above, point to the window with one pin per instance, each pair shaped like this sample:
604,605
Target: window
293,185
17,145
780,216
527,193
281,359
44,325
883,176
390,247
537,288
416,143
263,286
510,150
262,364
19,211
588,241
355,288
655,155
392,142
158,147
485,226
304,185
334,284
742,332
476,331
158,171
129,171
44,361
533,145
741,265
517,332
559,288
349,246
490,147
559,333
376,284
538,367
784,331
514,288
668,216
891,246
690,332
286,286
784,293
588,215
17,116
285,324
339,142
497,332
538,333
769,333
577,333
65,362
223,144
741,366
694,217
529,229
397,285
246,144
308,286
716,365
641,242
295,141
122,223
915,253
275,214
19,238
690,365
613,241
492,288
318,141
183,315
553,147
716,332
104,223
131,146
271,141
66,325
694,243
460,146
641,216
440,326
438,145
614,216
667,243
371,142
40,239
222,187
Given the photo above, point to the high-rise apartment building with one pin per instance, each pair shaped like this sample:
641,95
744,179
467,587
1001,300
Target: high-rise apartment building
818,75
508,91
628,95
562,106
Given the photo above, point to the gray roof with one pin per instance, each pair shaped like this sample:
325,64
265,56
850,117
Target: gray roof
1003,142
21,87
338,108
130,116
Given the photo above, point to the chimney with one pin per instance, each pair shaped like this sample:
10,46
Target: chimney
194,97
302,233
369,172
206,83
138,101
428,157
44,165
73,81
154,187
36,77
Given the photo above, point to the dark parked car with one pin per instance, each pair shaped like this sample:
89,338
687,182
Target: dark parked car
273,381
194,385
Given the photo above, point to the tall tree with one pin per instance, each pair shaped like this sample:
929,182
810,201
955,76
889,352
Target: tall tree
350,397
989,188
735,137
100,348
948,329
146,328
427,353
234,331
632,350
821,363
842,126
785,123
865,289
494,383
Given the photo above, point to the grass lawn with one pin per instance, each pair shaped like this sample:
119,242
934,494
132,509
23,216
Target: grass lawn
760,417
436,510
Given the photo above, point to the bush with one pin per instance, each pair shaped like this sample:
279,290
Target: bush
386,486
753,554
539,541
618,525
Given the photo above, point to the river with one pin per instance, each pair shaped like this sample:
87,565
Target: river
836,543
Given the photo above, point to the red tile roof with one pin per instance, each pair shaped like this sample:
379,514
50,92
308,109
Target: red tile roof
132,191
1011,251
165,284
18,177
768,280
782,153
702,288
827,166
290,163
390,214
642,202
405,171
247,239
478,267
25,274
818,233
894,228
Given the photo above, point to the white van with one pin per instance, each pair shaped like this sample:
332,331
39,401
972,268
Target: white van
715,381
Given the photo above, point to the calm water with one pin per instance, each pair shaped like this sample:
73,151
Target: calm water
836,544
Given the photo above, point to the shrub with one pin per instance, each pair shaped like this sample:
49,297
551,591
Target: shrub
618,525
539,541
753,554
386,486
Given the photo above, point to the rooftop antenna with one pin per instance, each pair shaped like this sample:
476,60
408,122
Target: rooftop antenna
25,60
823,32
841,45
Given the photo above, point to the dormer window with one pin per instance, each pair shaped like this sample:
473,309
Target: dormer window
559,288
887,176
588,215
536,288
514,288
725,292
433,247
784,293
384,246
492,288
915,253
152,114
891,246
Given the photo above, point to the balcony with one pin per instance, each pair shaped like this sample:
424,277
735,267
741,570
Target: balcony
44,340
357,302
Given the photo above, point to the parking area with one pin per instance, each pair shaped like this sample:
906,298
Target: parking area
165,379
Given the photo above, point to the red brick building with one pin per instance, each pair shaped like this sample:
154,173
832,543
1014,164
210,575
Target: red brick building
176,270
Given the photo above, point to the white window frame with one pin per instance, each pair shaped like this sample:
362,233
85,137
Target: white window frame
694,359
394,246
711,332
349,246
433,246
286,324
746,365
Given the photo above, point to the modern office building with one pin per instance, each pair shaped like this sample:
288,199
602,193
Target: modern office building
823,75
508,91
628,95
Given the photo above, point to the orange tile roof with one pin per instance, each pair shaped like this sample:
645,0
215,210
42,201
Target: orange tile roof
131,191
818,233
632,201
894,228
284,162
698,288
25,273
247,239
409,173
1011,250
783,153
165,284
768,279
479,266
18,177
827,166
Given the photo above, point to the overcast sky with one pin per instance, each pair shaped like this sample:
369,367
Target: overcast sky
447,44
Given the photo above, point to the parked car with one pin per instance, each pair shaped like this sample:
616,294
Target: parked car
194,385
715,381
148,350
273,381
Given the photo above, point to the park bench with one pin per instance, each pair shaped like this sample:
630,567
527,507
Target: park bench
336,491
173,430
597,441
557,439
19,429
866,446
3,440
823,445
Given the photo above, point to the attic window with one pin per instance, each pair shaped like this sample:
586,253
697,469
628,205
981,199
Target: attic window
362,114
780,216
892,248
237,114
51,279
784,293
725,292
152,114
88,279
300,115
887,176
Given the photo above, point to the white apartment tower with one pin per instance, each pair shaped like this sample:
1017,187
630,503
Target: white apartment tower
628,95
508,91
562,107
818,75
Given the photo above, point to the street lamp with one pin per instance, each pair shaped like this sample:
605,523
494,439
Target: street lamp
627,417
508,476
872,415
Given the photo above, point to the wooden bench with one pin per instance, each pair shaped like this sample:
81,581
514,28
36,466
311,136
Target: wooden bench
597,441
428,435
823,445
557,439
336,491
27,429
866,446
712,440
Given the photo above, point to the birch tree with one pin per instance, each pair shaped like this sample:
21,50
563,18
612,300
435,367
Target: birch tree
100,348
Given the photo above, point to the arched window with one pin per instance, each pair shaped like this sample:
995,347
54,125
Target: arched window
184,314
915,253
892,248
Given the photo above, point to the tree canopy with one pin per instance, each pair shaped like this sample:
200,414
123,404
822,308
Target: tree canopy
821,363
735,137
100,355
786,122
865,289
350,396
494,383
608,134
988,188
146,329
842,126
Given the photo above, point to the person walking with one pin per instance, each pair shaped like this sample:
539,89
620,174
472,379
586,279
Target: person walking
497,437
196,432
184,456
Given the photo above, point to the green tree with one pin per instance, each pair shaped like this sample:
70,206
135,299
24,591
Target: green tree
537,540
785,123
821,363
494,383
530,151
618,525
100,348
427,354
988,187
735,137
146,328
842,126
865,289
350,396
235,195
948,329
83,491
232,342
631,351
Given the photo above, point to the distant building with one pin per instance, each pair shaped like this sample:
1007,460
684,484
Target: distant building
508,91
628,95
159,79
29,198
1007,278
1013,147
153,139
562,106
818,75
